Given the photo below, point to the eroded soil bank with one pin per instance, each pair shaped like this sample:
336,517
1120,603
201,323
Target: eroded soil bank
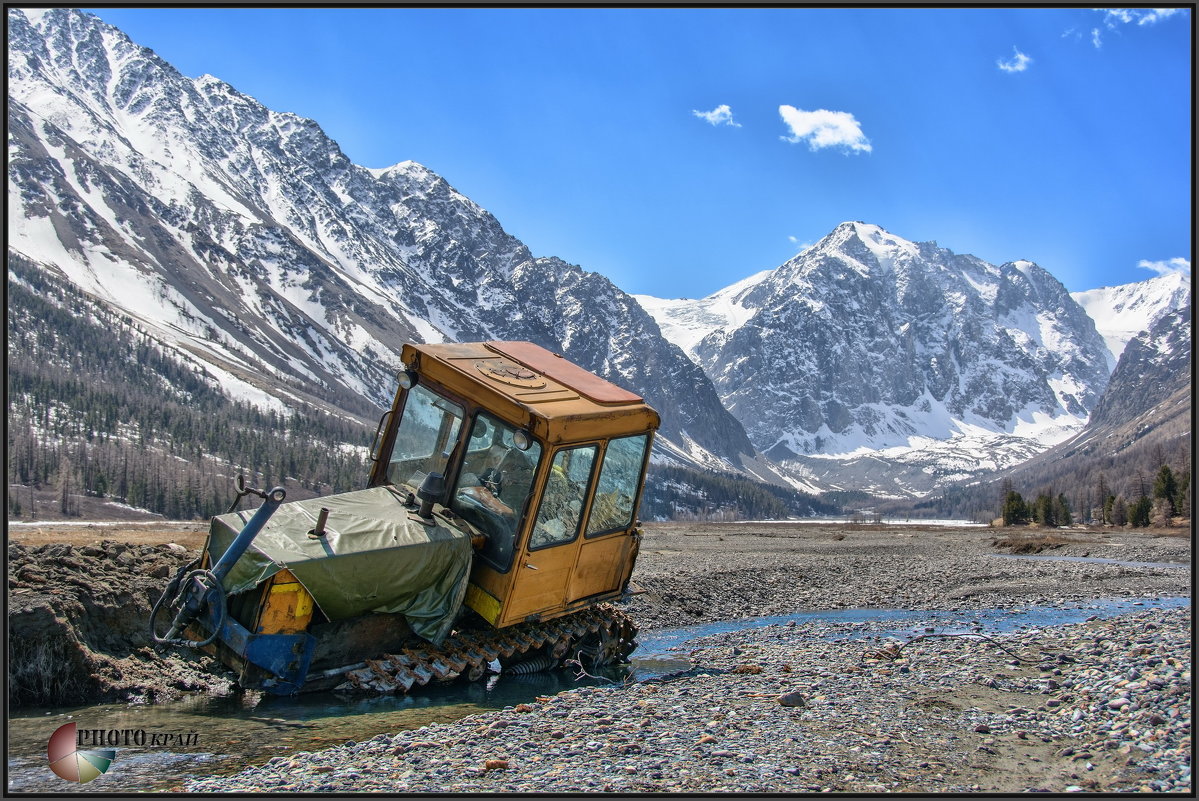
77,625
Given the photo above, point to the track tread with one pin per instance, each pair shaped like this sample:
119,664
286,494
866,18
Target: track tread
468,652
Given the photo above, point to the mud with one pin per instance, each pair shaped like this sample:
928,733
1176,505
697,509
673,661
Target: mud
77,626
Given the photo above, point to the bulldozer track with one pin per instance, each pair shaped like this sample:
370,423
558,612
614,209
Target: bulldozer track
600,635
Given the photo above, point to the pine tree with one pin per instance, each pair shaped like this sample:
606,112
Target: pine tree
1043,511
1165,489
1119,511
1182,497
1015,510
1139,513
1062,511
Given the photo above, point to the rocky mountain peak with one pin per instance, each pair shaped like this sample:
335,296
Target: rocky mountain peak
1122,312
869,343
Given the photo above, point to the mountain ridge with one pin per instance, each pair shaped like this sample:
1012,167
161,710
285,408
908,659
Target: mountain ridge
867,344
246,235
1124,311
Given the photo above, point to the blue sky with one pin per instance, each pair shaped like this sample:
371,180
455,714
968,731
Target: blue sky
677,151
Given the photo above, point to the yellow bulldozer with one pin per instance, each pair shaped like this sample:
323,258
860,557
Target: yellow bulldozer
498,526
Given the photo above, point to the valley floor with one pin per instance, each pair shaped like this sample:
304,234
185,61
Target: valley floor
1103,705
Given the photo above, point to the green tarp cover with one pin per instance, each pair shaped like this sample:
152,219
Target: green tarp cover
373,558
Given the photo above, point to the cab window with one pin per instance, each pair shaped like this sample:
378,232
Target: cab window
493,485
562,502
616,491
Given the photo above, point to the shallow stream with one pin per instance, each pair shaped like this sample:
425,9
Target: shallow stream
228,734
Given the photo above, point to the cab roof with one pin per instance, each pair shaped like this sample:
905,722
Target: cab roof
531,386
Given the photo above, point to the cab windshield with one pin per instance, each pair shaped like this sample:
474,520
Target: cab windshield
493,485
425,438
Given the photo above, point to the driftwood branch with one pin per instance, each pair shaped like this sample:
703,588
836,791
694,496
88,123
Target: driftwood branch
577,663
893,651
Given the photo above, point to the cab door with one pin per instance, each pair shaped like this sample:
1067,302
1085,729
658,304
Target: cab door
610,539
547,559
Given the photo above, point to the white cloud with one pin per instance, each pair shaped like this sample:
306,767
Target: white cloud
1113,18
823,128
800,247
1017,63
1175,265
721,115
1116,16
1141,16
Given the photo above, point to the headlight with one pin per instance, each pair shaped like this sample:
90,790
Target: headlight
522,439
407,379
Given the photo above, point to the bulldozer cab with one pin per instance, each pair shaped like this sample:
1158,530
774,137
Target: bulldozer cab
540,461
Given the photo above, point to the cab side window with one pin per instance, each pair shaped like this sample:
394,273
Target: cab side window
619,476
562,503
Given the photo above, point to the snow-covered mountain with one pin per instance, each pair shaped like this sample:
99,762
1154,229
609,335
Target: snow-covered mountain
872,362
1154,365
244,239
1122,312
686,322
1143,420
245,243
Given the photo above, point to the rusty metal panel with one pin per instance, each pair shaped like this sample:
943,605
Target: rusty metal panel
553,404
565,372
600,567
286,606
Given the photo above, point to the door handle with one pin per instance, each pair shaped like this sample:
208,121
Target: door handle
531,567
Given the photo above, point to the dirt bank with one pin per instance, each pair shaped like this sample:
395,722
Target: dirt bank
77,625
154,532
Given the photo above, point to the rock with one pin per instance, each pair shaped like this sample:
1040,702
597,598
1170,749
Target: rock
794,699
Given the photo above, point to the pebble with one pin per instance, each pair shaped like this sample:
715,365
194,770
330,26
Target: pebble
875,729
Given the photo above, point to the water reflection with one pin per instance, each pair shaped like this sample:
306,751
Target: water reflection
247,729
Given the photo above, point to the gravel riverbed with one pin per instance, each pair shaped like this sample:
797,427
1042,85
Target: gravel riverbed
1100,706
1103,706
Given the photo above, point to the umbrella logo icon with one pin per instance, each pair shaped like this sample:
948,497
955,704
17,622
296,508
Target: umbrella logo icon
70,763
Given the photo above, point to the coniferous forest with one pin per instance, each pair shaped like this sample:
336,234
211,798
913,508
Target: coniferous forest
97,408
